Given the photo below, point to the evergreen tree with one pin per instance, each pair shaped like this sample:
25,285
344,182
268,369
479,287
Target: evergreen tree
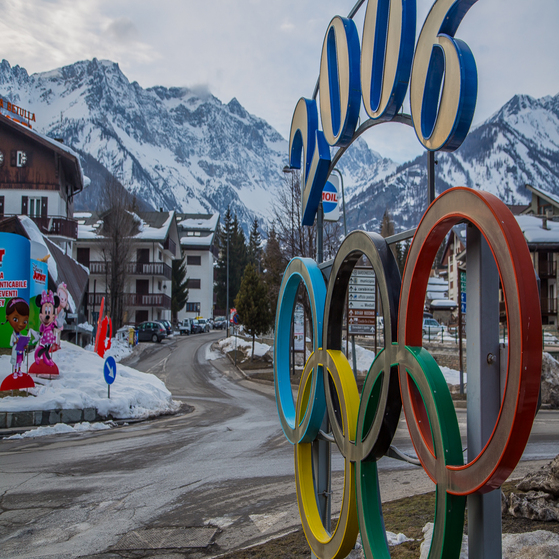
254,248
237,260
252,304
179,288
274,263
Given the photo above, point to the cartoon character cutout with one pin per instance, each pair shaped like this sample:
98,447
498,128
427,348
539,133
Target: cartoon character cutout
61,310
17,315
47,302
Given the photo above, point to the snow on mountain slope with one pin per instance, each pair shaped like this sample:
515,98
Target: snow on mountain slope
174,148
516,146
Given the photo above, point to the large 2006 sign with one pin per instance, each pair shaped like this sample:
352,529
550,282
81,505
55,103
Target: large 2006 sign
404,374
443,87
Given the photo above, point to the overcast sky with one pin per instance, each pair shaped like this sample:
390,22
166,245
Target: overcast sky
266,53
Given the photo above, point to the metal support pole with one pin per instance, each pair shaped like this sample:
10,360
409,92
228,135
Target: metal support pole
484,392
320,234
430,177
227,288
321,448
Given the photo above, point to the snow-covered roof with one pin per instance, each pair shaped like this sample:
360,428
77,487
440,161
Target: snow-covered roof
197,222
533,230
544,194
202,241
443,304
152,226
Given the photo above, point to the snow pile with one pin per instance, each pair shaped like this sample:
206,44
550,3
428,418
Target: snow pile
119,349
82,385
229,344
62,428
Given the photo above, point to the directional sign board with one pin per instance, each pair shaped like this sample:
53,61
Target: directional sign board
361,302
109,370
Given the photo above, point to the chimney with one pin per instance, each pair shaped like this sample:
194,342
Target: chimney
545,218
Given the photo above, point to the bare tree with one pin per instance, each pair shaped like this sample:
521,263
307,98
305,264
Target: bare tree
120,224
296,239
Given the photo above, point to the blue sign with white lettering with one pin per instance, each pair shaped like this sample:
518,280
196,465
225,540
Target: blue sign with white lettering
109,369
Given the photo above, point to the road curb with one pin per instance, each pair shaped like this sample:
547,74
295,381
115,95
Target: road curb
37,418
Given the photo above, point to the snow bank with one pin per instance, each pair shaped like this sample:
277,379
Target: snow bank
82,385
228,344
62,428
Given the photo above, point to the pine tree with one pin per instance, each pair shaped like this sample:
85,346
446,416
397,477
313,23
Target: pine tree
252,304
237,252
179,288
274,263
254,248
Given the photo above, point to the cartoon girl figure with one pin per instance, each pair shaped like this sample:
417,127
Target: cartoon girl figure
47,302
63,306
17,314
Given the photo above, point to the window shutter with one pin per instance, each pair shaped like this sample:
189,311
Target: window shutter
13,156
1,206
24,201
44,206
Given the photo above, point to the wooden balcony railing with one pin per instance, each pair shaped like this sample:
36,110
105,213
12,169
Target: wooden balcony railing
59,226
135,269
136,300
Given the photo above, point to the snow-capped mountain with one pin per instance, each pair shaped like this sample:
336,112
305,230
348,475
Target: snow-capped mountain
174,148
518,145
183,149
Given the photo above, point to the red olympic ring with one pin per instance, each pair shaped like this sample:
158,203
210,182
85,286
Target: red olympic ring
519,403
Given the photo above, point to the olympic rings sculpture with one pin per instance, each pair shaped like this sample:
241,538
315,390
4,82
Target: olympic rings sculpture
404,375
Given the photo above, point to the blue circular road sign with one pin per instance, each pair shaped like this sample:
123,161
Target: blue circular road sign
109,369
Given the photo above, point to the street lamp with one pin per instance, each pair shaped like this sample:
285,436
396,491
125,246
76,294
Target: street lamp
289,170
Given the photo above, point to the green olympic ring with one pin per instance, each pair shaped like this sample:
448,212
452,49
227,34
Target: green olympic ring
405,375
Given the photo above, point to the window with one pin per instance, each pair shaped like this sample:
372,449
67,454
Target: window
194,260
83,256
34,207
159,285
160,255
193,283
193,307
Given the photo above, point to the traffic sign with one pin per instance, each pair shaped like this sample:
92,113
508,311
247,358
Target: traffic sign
361,301
109,370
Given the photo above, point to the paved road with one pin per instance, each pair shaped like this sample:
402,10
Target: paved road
205,482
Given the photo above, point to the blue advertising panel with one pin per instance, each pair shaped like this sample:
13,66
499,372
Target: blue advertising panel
37,283
14,281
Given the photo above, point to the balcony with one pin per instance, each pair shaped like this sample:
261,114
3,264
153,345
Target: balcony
549,305
170,245
547,269
159,300
57,226
135,269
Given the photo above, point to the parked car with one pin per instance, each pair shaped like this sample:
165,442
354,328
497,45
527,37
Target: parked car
220,323
167,325
431,327
200,325
151,331
185,327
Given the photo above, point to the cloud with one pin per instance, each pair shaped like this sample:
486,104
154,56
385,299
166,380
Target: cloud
122,30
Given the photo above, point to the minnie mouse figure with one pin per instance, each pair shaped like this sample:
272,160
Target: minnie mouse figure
47,302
